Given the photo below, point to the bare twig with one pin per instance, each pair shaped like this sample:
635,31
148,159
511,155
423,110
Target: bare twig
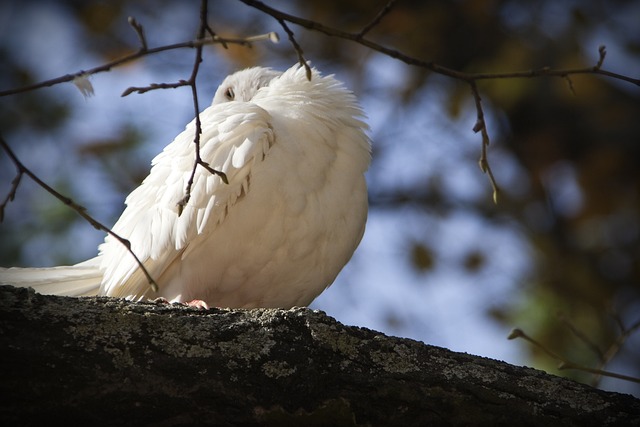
15,183
154,86
82,211
387,7
549,72
296,47
83,75
567,364
602,51
430,65
519,333
204,27
614,348
209,30
617,320
481,126
571,365
470,78
570,84
140,32
581,336
139,54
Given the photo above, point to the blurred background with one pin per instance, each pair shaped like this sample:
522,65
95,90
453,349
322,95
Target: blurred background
558,256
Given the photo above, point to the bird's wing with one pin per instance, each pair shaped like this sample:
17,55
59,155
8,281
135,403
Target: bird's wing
235,135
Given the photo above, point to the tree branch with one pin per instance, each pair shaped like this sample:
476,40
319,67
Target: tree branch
194,94
80,79
566,363
106,361
430,65
481,126
154,86
137,55
296,47
139,32
383,12
80,210
470,78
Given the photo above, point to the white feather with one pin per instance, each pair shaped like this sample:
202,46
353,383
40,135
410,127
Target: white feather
294,152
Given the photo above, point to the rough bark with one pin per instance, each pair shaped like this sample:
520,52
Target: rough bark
104,361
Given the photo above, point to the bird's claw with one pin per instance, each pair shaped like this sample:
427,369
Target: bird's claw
197,303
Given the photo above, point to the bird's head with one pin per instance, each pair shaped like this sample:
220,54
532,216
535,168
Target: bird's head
243,85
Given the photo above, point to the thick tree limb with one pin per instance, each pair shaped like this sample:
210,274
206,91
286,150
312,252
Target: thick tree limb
105,361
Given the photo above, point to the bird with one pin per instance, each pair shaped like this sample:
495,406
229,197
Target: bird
294,151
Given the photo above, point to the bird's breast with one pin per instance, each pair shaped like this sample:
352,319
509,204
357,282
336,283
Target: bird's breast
286,239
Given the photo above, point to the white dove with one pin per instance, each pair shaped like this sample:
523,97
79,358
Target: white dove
294,152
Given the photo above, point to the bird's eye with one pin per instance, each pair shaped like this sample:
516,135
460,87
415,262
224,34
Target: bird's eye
229,94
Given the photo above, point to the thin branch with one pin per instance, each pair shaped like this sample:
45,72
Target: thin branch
519,333
614,348
154,86
84,74
81,210
139,32
15,183
570,84
567,364
430,65
581,336
333,32
602,51
139,54
470,78
385,10
208,29
481,126
549,72
571,365
296,47
204,27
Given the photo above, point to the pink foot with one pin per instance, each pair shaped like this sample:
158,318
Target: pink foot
197,303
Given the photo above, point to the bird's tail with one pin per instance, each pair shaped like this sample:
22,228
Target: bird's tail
75,280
